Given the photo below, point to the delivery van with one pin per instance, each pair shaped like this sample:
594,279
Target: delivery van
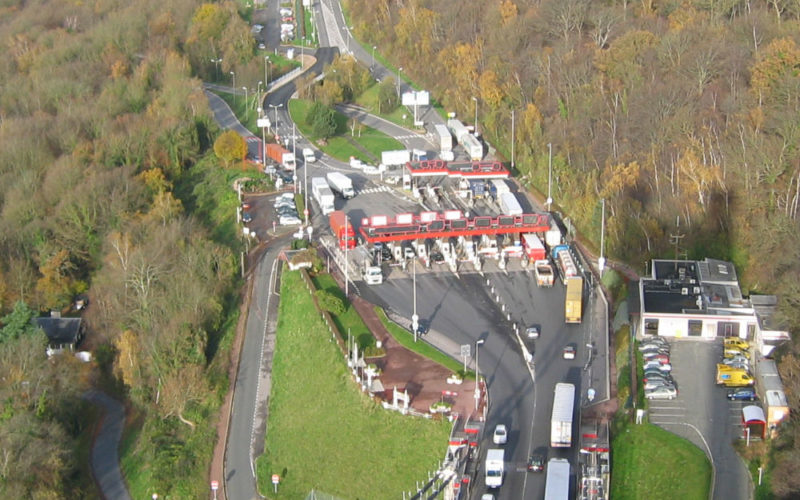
730,376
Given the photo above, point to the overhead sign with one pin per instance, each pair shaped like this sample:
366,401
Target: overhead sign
262,122
421,98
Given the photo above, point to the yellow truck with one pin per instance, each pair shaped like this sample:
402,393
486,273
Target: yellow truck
736,343
733,377
573,305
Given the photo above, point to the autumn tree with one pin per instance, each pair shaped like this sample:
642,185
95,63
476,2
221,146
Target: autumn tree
230,147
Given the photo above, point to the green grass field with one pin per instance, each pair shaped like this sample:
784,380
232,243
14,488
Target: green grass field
406,339
649,462
322,432
340,146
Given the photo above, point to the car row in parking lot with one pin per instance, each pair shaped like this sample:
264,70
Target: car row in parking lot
286,210
657,376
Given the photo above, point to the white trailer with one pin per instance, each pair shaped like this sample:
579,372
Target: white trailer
561,420
509,204
445,139
341,184
473,146
499,186
458,129
556,486
323,194
495,465
395,158
553,235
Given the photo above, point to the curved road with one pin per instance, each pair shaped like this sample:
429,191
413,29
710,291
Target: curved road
105,449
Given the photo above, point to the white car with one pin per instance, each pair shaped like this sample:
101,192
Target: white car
569,352
664,367
289,220
655,383
500,435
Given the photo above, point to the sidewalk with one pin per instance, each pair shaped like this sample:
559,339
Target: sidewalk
424,379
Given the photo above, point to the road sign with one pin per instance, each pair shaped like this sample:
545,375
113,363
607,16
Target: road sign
214,485
276,479
465,350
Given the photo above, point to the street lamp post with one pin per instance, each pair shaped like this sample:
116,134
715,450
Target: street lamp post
373,57
513,140
245,103
233,76
216,65
275,107
398,80
476,115
346,265
549,174
478,343
266,76
601,262
414,316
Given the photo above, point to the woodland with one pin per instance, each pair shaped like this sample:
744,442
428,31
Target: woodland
109,188
681,114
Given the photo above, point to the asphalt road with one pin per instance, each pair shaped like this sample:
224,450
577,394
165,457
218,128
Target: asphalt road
251,398
105,449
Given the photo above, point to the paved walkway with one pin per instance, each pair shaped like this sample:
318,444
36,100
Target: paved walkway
224,116
105,450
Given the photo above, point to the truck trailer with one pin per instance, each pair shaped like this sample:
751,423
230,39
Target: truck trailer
445,138
495,465
534,249
323,194
556,486
509,205
566,264
561,421
342,230
395,158
341,184
279,154
573,304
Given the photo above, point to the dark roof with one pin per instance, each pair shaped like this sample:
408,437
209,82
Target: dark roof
669,298
717,271
60,330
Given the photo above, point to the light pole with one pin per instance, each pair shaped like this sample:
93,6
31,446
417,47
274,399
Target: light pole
549,175
414,316
476,115
275,107
513,140
373,57
601,262
266,76
398,81
478,343
216,64
346,265
233,75
245,103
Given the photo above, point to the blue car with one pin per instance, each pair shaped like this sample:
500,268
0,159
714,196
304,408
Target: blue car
742,394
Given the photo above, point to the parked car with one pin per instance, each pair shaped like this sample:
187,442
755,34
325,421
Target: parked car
660,350
736,360
246,217
532,332
740,365
286,177
536,463
736,342
655,341
289,220
652,377
569,352
742,394
500,435
286,211
652,384
662,392
657,356
664,367
384,251
732,352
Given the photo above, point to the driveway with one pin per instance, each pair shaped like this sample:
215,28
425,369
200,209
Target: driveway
702,414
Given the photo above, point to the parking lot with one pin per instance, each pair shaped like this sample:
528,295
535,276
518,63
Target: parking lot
702,414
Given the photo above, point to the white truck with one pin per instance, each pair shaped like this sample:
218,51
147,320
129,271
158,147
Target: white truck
309,156
556,486
473,147
373,275
341,184
323,194
544,273
445,139
509,204
458,129
397,158
553,235
561,419
495,465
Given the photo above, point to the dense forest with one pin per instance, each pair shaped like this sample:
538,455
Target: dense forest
681,114
108,189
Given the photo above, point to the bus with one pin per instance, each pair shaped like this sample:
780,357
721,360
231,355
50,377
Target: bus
573,303
556,486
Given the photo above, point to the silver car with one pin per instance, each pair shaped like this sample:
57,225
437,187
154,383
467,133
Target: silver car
289,220
656,383
662,392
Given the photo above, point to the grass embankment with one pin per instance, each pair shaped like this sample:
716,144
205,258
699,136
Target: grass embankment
406,339
340,146
322,432
649,462
349,321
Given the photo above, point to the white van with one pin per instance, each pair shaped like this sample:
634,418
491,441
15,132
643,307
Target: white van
308,155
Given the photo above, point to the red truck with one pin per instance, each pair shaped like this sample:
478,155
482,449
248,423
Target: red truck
279,154
342,229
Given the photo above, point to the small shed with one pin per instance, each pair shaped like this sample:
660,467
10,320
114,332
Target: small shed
753,419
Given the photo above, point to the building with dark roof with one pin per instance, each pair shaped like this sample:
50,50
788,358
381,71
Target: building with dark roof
62,333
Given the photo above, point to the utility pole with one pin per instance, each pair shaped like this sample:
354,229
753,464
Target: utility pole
512,139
